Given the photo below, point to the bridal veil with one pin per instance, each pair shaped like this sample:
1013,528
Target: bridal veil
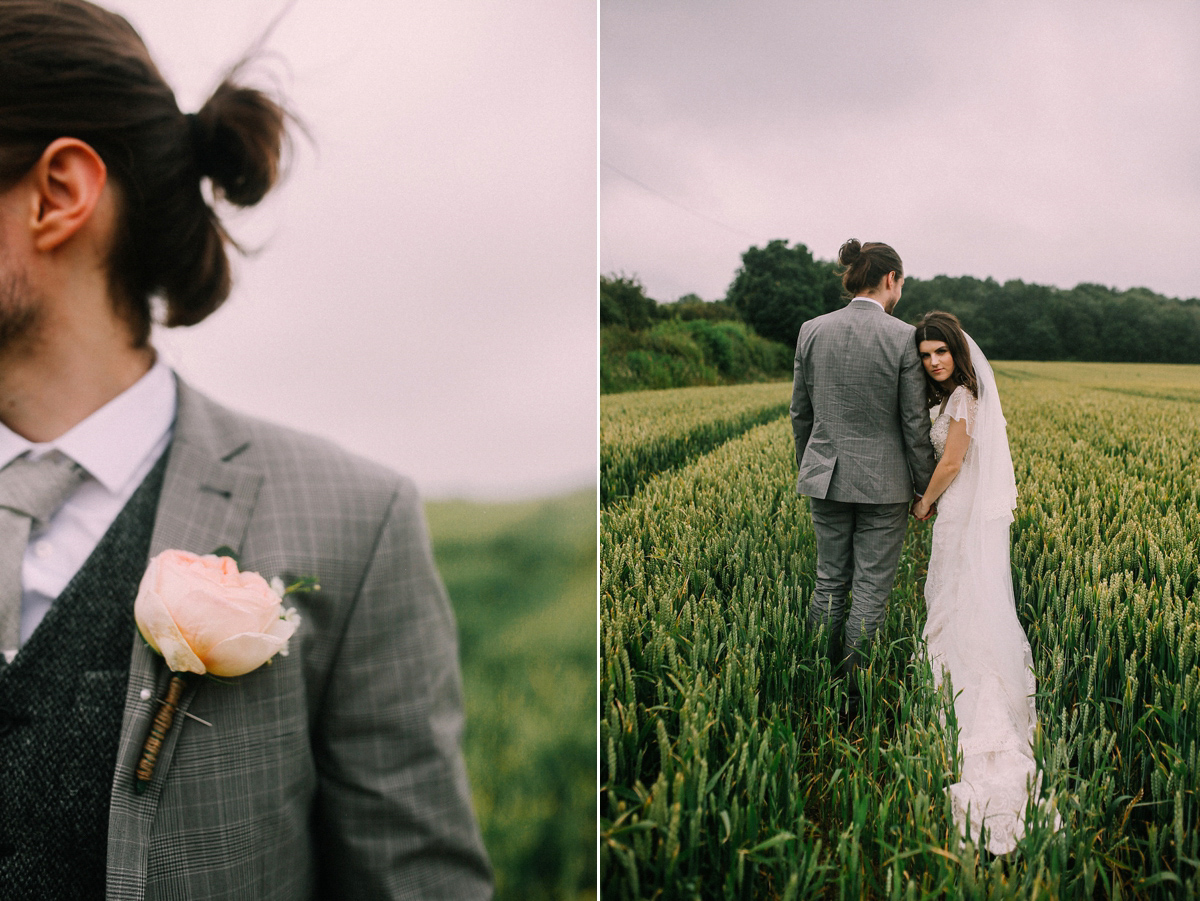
972,631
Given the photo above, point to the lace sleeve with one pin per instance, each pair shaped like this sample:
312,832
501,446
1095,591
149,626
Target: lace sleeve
962,405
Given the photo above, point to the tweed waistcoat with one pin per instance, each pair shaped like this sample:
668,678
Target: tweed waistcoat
61,702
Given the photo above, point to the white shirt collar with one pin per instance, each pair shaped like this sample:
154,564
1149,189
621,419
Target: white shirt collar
113,442
873,300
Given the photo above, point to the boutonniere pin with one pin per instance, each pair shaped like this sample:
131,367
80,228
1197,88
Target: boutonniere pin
204,616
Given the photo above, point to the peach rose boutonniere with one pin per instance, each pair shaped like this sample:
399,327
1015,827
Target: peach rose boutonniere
204,616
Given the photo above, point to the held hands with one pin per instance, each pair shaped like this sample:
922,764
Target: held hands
921,509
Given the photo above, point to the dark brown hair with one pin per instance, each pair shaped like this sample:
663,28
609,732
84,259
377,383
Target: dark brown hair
71,69
867,265
945,327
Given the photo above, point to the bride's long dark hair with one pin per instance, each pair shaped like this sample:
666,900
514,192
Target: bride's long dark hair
945,327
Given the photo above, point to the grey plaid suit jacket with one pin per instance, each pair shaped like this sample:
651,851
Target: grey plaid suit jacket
858,408
334,772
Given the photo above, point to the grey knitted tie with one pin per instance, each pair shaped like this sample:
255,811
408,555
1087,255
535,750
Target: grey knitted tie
31,491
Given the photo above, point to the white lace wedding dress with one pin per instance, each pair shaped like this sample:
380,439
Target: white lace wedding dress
972,631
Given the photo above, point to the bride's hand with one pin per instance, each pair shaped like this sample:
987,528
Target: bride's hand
921,510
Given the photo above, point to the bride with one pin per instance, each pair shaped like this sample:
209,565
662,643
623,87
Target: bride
971,631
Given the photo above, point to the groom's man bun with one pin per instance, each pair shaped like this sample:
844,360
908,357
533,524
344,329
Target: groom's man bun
867,265
71,69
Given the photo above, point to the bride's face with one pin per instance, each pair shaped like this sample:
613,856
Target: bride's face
937,360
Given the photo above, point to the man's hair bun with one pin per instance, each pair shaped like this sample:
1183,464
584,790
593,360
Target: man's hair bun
849,252
237,139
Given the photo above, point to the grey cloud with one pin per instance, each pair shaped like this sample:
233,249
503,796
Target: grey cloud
1054,143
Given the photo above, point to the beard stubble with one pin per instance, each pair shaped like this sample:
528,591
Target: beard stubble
19,313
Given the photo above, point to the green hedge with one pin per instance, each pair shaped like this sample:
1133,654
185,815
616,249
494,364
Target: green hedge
677,354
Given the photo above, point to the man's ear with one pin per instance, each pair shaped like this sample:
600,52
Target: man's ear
68,182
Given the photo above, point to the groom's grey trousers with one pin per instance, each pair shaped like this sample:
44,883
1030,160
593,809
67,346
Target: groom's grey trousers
862,450
859,545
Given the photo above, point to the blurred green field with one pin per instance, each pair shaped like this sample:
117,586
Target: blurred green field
522,579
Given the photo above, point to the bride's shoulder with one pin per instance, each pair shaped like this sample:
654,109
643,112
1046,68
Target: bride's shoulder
962,403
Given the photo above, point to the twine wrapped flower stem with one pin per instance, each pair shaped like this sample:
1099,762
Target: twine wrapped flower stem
158,733
205,617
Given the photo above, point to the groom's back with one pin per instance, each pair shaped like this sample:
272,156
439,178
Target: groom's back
858,408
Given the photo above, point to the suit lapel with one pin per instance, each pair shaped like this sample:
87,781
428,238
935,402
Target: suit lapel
207,497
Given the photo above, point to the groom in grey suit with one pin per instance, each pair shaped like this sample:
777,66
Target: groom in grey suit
862,446
336,771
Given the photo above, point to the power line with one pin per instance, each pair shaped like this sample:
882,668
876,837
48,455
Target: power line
676,203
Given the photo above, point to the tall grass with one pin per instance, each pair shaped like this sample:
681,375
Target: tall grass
725,771
649,432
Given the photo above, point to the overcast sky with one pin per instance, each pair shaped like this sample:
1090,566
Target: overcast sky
424,291
1056,143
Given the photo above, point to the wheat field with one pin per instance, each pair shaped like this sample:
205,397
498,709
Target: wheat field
724,769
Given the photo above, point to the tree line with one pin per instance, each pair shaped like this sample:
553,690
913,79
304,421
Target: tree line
778,287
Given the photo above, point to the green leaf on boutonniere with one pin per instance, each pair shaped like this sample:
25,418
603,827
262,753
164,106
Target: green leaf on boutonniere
226,551
304,583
